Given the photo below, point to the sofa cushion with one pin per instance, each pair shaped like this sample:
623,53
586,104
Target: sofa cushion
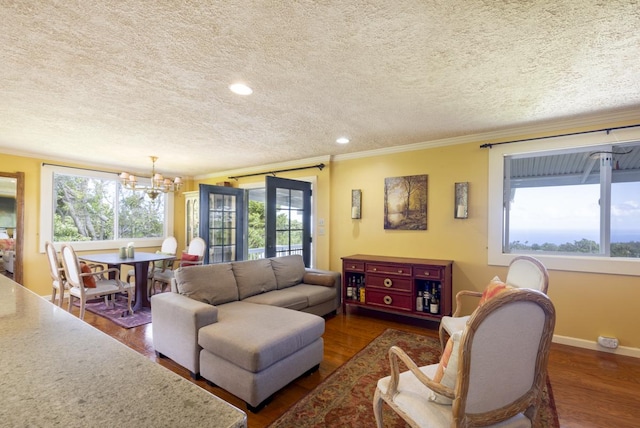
253,277
288,270
315,294
256,336
214,284
287,298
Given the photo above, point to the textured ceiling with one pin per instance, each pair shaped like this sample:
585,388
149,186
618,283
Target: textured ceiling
111,83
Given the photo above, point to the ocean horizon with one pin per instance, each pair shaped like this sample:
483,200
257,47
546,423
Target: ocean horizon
530,237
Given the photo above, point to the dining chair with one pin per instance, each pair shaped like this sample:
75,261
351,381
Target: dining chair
169,247
85,284
56,270
192,257
495,376
524,272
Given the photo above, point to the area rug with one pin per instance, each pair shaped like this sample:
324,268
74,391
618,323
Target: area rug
344,399
119,314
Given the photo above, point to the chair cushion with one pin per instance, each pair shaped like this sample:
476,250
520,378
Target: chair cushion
288,270
213,284
253,277
412,399
89,281
447,370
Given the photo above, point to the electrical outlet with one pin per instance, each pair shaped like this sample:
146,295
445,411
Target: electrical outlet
608,342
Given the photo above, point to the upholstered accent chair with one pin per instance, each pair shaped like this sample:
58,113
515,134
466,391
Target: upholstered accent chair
59,283
524,272
89,285
495,375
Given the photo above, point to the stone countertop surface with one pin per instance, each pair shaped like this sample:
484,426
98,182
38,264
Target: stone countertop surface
57,370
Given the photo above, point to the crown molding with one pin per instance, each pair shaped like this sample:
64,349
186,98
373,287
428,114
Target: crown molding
539,129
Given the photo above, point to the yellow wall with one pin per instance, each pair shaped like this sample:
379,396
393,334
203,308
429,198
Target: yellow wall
587,305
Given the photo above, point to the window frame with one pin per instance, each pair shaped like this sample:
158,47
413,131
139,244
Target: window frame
46,211
497,153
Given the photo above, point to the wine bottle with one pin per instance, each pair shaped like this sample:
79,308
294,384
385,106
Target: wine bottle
419,302
434,304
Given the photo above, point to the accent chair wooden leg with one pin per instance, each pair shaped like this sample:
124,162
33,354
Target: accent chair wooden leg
377,408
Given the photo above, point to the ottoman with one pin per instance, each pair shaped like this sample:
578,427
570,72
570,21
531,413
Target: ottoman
254,350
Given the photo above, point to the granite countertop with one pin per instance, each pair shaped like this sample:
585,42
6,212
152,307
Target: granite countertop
57,370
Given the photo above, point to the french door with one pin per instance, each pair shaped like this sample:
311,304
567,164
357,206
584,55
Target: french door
222,213
223,224
288,218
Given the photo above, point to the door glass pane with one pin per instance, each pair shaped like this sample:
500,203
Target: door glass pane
282,198
297,199
216,202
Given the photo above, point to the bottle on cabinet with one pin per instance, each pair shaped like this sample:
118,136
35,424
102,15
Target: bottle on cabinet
419,301
426,298
361,292
434,302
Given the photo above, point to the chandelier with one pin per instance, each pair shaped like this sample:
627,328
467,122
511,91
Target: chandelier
158,185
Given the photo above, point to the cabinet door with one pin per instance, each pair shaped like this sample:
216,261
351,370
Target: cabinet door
222,223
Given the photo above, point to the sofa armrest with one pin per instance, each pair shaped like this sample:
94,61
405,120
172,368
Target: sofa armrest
176,320
337,281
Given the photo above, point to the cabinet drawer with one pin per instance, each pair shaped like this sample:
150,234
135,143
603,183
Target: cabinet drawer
404,270
389,282
398,301
427,272
353,266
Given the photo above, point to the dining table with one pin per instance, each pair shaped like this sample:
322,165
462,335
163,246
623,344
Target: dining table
140,262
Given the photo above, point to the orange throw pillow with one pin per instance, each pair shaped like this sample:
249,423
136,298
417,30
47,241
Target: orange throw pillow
495,287
89,281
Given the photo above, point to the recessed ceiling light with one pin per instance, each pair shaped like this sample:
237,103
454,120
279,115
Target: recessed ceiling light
342,140
240,89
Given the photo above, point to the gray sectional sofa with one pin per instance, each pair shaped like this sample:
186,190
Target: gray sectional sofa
250,327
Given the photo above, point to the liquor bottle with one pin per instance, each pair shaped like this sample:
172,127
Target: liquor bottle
426,298
419,302
434,304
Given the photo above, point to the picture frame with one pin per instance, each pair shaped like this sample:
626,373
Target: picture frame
405,202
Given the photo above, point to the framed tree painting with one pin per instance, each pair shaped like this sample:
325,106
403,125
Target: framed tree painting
405,202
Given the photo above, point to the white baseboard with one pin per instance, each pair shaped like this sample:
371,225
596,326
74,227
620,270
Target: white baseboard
593,345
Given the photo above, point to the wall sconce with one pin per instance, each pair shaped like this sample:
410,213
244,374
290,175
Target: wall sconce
461,206
356,203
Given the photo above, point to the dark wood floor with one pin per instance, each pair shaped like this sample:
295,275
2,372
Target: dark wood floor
591,389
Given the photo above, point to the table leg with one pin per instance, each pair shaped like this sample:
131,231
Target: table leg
142,300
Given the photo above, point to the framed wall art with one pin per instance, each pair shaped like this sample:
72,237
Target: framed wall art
405,202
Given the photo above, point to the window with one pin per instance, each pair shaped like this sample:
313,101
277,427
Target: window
576,206
93,211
